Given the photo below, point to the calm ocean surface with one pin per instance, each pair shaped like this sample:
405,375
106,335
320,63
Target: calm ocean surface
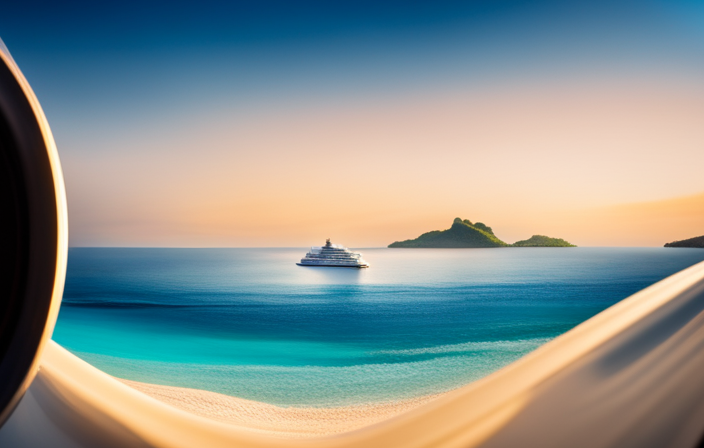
250,323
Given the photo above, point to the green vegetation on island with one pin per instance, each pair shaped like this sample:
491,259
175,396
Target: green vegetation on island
697,242
465,234
542,241
462,234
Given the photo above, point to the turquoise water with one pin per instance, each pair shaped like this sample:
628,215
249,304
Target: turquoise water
250,323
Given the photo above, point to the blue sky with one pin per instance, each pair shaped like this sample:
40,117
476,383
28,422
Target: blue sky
115,54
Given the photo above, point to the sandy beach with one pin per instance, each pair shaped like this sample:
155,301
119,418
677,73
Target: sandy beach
275,420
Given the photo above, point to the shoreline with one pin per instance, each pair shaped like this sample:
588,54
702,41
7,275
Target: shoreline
275,420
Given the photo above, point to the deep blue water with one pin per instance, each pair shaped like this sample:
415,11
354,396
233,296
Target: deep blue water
250,323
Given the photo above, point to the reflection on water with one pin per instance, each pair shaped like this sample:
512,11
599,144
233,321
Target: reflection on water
334,275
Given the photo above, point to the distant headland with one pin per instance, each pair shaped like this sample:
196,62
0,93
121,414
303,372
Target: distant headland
697,242
465,234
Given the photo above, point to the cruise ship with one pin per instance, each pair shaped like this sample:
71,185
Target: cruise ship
333,255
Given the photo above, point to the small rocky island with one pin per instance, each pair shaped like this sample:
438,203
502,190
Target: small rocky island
465,234
542,241
697,242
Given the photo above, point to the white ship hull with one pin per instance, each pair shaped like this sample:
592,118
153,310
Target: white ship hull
328,265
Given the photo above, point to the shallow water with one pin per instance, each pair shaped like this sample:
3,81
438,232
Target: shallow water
250,323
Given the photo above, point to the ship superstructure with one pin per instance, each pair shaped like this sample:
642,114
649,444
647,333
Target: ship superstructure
333,255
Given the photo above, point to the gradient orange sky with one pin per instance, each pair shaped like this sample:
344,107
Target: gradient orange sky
597,163
283,126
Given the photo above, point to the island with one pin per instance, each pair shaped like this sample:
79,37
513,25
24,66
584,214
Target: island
465,234
697,242
542,241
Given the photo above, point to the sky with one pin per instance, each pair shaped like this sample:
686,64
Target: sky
278,123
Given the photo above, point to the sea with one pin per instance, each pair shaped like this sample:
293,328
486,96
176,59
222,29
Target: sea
251,324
